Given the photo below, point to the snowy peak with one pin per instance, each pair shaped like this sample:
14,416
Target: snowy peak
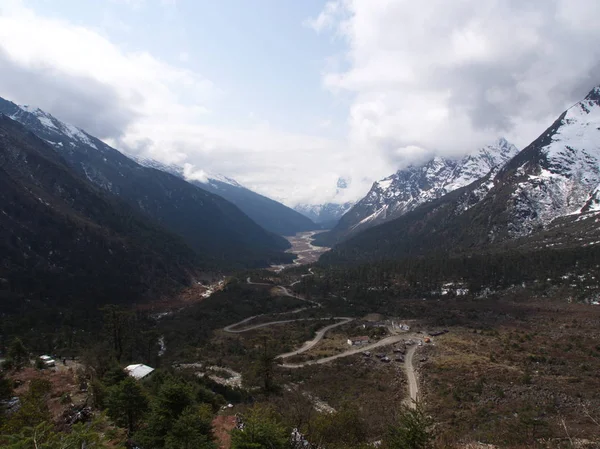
545,196
49,126
479,163
188,172
325,215
408,188
559,173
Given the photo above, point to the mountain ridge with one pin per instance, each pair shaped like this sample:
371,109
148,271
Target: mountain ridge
62,234
215,228
408,188
268,213
554,178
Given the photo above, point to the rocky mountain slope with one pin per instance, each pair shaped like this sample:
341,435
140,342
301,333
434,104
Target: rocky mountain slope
215,228
544,189
269,214
66,243
407,189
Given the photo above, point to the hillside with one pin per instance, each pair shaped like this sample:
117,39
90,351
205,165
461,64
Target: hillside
65,243
267,213
215,228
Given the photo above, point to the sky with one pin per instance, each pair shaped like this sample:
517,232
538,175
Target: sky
288,96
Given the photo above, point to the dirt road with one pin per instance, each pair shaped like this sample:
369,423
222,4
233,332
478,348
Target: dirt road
385,342
231,328
318,337
413,386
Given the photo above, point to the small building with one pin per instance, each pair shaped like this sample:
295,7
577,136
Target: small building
358,341
139,371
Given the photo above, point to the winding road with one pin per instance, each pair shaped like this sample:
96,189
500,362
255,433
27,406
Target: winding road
413,386
318,337
384,342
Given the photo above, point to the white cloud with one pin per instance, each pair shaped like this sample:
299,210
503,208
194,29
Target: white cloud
426,78
151,88
142,105
327,18
445,77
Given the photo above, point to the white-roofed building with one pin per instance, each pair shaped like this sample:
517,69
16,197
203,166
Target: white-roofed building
139,371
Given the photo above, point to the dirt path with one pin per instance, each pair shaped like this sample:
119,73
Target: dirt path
318,337
413,386
385,342
231,328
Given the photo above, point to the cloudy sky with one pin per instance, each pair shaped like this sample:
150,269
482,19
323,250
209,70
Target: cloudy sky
287,96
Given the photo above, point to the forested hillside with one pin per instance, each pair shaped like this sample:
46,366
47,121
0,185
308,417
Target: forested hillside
68,245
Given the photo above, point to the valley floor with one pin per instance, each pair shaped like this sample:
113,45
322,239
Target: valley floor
302,246
511,371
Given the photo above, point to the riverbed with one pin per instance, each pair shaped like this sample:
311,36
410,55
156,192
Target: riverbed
302,246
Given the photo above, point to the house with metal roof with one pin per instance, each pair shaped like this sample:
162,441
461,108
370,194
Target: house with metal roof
139,371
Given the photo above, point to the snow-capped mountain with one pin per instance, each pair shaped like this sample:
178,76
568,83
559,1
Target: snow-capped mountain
216,229
407,189
327,215
547,196
177,170
559,173
270,214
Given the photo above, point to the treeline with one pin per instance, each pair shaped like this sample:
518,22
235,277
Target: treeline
422,276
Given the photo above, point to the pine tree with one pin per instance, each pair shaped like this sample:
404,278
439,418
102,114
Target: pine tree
192,430
18,354
412,430
262,430
127,403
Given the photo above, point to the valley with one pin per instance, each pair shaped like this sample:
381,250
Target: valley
149,302
303,248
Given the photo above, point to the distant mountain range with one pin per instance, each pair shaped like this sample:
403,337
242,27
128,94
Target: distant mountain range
546,196
270,214
407,189
220,233
325,215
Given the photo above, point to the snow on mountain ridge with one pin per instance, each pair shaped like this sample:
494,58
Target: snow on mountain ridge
187,172
415,185
52,124
567,177
326,213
